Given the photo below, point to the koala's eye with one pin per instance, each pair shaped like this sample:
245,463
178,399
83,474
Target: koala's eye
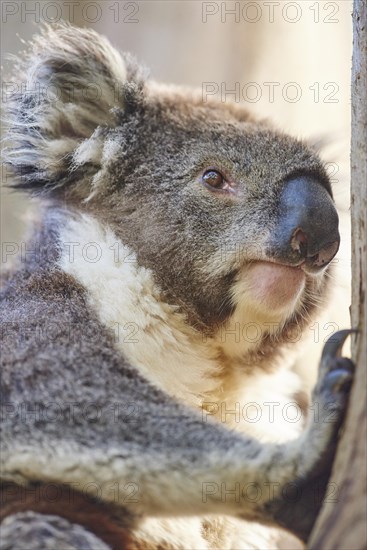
213,178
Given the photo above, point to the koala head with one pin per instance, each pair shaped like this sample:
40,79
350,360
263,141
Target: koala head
235,220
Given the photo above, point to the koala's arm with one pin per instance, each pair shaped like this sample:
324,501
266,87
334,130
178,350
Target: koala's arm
75,414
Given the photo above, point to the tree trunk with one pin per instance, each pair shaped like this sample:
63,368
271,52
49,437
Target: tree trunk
342,524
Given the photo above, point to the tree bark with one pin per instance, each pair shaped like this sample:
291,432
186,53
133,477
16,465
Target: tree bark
342,524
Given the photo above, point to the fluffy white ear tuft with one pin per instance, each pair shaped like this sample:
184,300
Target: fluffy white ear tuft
68,88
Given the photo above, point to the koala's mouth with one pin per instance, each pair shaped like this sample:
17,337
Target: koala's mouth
275,286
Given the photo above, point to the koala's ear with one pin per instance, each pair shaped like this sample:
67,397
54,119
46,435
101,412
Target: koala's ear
70,88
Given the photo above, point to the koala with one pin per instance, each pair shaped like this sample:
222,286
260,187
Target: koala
181,250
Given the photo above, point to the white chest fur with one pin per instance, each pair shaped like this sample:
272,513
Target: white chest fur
150,333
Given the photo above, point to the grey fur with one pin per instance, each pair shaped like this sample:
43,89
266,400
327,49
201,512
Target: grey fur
133,160
51,532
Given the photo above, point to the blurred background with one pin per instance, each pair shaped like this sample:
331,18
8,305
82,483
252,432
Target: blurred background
289,61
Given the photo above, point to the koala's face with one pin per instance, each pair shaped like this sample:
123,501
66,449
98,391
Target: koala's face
207,199
235,220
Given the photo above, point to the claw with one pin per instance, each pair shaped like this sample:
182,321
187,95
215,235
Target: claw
334,344
339,380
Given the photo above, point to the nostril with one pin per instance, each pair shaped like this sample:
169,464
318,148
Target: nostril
314,254
325,255
299,241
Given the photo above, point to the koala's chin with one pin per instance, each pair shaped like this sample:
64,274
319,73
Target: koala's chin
273,288
267,298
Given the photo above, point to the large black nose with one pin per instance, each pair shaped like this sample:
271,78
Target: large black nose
307,225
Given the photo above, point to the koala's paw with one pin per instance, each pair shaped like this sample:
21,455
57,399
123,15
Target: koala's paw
317,447
330,396
329,405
